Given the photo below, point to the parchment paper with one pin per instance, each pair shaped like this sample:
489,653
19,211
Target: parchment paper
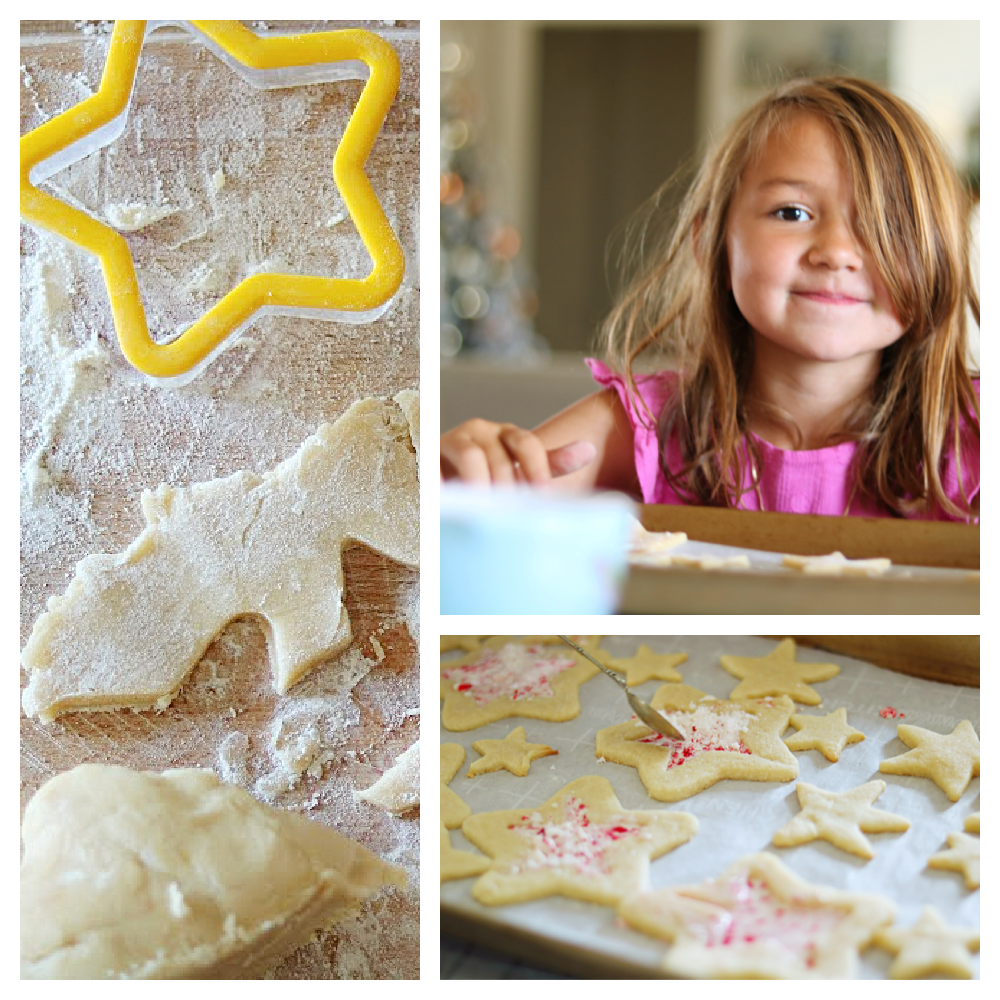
739,817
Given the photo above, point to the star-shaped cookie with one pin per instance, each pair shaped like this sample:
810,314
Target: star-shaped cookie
930,945
648,666
453,808
456,863
837,564
758,920
828,734
579,843
510,677
840,818
777,673
513,753
466,642
963,857
722,739
951,761
972,823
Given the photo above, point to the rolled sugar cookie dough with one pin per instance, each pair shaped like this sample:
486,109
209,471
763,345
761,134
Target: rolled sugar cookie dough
950,760
509,677
759,920
399,788
138,875
579,843
722,739
131,626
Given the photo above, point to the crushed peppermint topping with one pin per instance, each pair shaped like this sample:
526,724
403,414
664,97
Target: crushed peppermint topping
703,728
749,913
891,713
576,843
513,671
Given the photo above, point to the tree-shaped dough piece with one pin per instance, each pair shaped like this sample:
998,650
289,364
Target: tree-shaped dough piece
131,626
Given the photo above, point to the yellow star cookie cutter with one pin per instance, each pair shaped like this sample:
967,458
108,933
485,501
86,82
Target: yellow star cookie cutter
277,61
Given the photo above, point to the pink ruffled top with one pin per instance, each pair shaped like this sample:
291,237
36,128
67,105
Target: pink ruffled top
818,481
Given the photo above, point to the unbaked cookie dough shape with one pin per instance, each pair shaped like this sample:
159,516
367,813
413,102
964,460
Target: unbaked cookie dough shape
131,626
930,945
777,673
139,875
950,760
508,677
579,843
828,734
962,856
722,739
759,920
456,863
647,666
454,809
513,753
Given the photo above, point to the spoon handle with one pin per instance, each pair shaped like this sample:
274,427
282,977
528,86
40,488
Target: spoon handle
617,678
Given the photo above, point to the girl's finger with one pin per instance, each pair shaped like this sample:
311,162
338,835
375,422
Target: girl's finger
528,453
571,457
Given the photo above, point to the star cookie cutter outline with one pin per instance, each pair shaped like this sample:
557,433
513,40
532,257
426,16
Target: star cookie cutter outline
265,62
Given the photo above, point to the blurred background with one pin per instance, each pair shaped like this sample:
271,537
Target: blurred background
554,133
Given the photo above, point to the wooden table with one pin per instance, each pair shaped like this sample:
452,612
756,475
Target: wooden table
94,433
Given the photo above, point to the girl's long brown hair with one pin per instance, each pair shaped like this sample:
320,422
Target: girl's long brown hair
912,216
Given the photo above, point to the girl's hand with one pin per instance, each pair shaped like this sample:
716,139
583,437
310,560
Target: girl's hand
480,451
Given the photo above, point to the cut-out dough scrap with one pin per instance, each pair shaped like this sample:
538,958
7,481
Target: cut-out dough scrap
131,626
962,857
837,564
456,863
722,739
399,788
930,945
579,843
759,920
777,673
647,666
828,734
513,753
508,677
138,875
840,818
454,809
951,761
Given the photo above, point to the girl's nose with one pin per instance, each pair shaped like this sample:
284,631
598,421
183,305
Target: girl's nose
835,246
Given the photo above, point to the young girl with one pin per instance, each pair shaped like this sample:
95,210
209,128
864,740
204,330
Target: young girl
811,300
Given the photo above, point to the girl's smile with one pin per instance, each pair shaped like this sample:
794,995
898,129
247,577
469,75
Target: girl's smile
798,271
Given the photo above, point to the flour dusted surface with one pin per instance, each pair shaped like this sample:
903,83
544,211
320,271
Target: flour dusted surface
94,433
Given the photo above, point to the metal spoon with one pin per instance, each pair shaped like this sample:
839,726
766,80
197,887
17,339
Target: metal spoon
645,712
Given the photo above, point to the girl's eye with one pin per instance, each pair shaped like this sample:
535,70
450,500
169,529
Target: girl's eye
792,213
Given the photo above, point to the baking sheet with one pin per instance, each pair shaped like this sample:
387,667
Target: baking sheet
738,817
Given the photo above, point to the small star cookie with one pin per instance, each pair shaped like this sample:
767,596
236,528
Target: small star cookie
951,761
963,857
828,734
758,920
580,843
930,945
777,673
456,863
513,753
453,809
466,642
509,677
837,564
840,818
647,665
722,739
